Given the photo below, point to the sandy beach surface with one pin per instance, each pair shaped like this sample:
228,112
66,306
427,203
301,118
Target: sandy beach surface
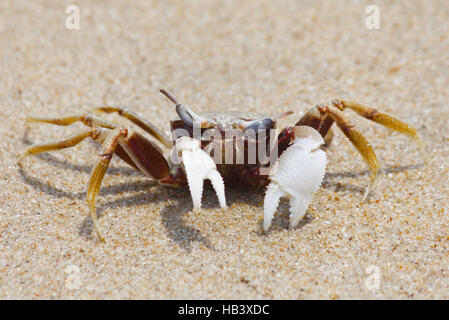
258,56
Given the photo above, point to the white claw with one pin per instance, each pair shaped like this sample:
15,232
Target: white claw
271,202
297,175
198,167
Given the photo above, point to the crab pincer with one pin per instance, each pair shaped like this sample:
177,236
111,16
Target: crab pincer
296,175
199,166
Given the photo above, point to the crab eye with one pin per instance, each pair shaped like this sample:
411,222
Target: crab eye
185,115
189,117
260,124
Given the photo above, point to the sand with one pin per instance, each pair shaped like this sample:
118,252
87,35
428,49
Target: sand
259,56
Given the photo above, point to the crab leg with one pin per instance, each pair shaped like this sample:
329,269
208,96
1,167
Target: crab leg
98,172
140,122
296,175
62,144
110,143
383,119
359,141
198,167
87,119
134,149
131,147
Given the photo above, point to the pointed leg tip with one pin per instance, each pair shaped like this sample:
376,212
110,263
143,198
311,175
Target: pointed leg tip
425,157
365,196
421,148
100,236
22,155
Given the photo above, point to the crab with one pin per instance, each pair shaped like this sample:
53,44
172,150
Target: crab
201,148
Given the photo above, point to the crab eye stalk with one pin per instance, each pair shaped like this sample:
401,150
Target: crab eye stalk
185,115
260,124
265,123
182,111
169,96
283,114
188,116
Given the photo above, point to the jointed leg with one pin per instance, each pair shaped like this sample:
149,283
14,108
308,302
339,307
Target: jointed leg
98,172
87,119
140,122
94,133
358,140
131,147
384,119
321,118
109,139
92,121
